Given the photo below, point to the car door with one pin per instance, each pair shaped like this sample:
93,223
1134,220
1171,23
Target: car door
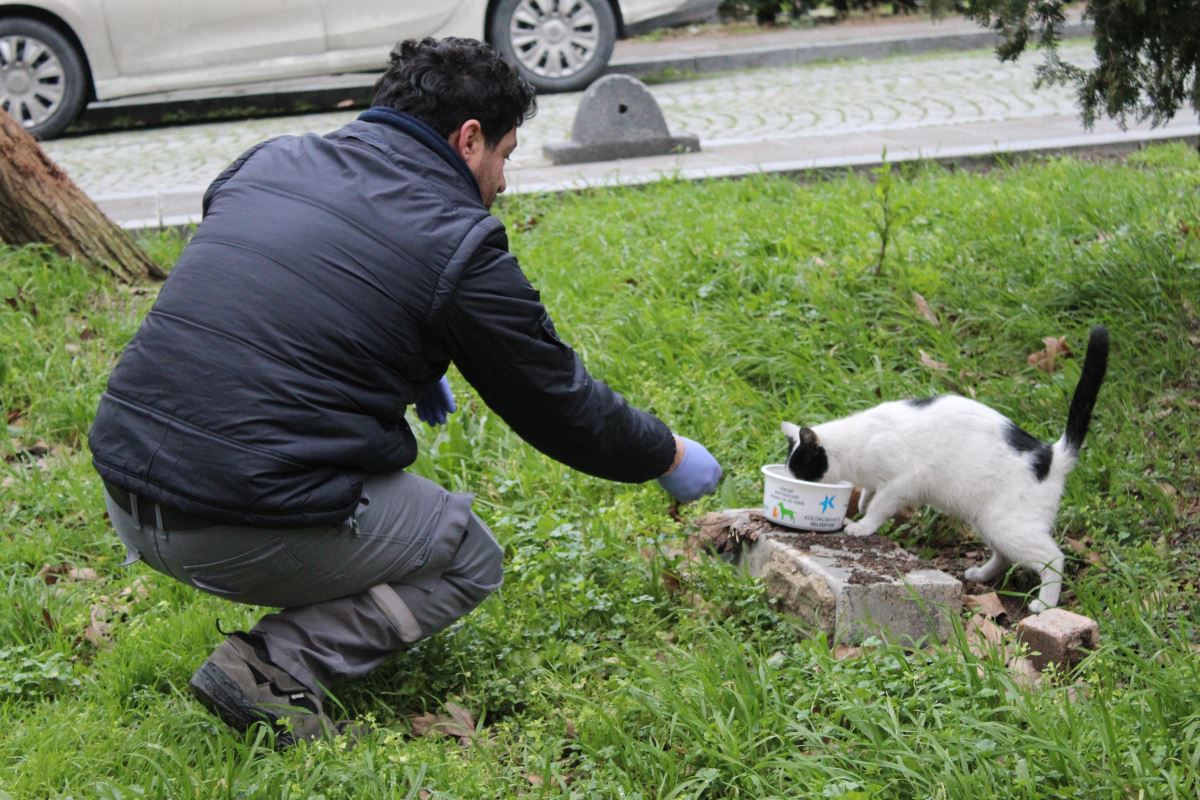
358,24
162,36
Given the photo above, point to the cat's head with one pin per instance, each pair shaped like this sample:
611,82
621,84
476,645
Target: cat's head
806,459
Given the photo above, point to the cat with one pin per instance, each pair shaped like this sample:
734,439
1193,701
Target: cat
962,458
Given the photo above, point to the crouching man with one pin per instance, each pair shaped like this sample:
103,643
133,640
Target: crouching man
252,439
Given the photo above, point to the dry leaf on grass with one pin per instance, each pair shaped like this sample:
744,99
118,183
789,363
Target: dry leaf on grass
987,604
983,635
843,651
1024,673
925,310
1047,359
1081,549
933,363
52,575
459,724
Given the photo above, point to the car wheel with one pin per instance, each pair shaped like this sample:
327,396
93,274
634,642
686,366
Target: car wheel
558,45
43,82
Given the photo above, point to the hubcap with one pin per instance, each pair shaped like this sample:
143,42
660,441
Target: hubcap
31,79
555,38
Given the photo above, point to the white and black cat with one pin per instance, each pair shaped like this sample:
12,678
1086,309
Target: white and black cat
962,458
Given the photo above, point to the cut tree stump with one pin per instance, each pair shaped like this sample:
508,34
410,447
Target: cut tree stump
40,204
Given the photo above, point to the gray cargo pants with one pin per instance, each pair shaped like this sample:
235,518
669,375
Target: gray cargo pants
411,560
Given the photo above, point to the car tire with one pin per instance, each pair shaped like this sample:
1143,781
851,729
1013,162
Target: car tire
558,45
46,94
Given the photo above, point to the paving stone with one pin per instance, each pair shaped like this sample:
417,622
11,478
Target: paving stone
1058,636
849,587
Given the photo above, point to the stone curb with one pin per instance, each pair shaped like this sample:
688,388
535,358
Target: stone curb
788,56
180,206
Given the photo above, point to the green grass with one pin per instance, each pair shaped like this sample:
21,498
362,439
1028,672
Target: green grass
724,307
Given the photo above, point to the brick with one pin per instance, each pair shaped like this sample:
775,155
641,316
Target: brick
1058,636
849,587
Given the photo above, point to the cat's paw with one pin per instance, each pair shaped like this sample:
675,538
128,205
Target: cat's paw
857,529
975,575
1037,607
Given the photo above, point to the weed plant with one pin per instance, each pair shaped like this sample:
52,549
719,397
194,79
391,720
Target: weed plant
602,669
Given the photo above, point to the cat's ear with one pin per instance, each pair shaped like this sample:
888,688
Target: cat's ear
792,432
808,460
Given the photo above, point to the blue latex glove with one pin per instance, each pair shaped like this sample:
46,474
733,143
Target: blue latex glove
696,475
436,403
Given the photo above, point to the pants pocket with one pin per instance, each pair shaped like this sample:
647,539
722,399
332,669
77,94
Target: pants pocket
256,573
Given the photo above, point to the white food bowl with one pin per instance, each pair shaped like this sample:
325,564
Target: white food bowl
801,504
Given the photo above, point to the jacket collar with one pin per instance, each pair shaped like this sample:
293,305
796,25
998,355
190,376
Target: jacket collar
426,135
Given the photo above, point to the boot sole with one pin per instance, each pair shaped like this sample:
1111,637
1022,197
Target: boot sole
221,695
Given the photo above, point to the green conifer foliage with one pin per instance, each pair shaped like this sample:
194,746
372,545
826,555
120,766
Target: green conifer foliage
1147,51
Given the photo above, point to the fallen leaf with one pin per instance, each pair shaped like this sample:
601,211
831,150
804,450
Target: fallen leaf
425,794
87,334
48,620
1047,359
842,652
425,724
930,362
459,724
13,416
1076,546
983,634
534,780
1025,674
987,604
1167,489
72,348
925,310
571,733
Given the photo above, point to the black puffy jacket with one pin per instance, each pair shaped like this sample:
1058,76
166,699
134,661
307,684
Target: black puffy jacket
331,280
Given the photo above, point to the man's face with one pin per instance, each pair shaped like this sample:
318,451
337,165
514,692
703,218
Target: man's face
485,161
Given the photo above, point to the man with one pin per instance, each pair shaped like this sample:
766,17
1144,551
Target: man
252,438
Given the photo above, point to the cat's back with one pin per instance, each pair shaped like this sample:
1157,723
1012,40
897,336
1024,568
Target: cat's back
938,418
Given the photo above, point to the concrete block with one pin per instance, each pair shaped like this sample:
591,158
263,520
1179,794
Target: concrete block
1058,636
849,587
618,118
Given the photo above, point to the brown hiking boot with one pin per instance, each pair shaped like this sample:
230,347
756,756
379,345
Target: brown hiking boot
240,685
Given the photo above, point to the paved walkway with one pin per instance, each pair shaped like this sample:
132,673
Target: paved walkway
785,119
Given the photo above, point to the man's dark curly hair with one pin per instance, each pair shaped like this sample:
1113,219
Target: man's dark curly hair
446,82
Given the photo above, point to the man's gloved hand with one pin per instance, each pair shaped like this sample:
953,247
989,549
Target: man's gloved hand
436,403
695,475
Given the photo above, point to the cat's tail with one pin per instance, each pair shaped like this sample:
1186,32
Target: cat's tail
1095,364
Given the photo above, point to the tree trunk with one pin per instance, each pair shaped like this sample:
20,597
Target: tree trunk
39,203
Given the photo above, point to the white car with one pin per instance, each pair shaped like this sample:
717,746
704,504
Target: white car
57,55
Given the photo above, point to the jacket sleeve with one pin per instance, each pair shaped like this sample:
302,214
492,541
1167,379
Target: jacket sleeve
496,331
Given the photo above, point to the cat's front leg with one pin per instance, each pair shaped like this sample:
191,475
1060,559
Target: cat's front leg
864,499
884,501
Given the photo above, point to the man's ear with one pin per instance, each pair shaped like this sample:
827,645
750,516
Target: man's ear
468,139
